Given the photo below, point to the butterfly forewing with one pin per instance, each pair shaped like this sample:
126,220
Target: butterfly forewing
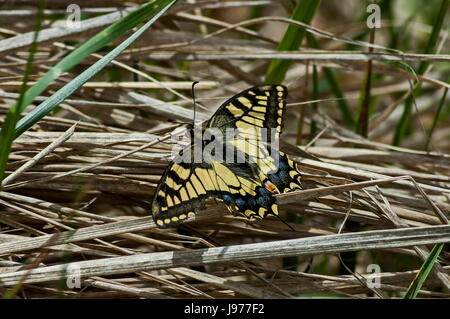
184,188
261,106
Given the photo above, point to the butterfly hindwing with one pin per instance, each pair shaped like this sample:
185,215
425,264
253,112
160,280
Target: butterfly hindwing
241,190
248,190
287,176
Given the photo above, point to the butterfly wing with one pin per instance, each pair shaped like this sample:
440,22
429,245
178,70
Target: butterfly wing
257,107
257,115
248,191
183,188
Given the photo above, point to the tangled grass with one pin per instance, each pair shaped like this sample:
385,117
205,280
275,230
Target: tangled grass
79,179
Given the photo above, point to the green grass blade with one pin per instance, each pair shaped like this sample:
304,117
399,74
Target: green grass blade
335,88
403,125
362,122
437,116
104,37
10,131
49,104
423,273
293,37
314,97
13,115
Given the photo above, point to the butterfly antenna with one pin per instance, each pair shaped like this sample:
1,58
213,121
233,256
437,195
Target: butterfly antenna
193,99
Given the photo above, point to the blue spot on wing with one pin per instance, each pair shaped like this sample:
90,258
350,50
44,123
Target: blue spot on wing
262,198
281,177
228,199
240,202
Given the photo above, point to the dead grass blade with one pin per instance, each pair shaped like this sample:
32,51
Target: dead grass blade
294,247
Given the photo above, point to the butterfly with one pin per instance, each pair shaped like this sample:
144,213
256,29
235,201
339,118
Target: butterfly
248,179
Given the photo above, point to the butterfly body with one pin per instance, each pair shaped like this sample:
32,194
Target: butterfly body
244,170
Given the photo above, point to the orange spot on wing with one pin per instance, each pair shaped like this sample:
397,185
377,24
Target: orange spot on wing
271,187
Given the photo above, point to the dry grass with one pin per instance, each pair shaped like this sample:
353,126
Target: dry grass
80,183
